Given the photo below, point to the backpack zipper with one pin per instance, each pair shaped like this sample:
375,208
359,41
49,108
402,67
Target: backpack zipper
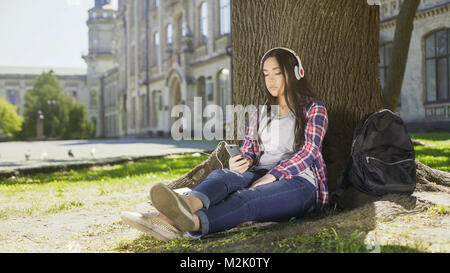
387,163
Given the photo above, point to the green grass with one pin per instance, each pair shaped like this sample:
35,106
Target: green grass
436,156
87,189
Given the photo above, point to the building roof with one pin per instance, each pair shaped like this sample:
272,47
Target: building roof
22,70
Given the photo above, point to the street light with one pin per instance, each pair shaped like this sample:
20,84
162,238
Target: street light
52,104
40,125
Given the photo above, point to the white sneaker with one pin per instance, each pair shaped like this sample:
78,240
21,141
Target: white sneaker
151,224
169,203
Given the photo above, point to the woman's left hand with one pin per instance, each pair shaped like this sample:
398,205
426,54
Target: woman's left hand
266,179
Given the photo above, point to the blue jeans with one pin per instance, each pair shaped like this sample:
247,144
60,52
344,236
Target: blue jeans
228,201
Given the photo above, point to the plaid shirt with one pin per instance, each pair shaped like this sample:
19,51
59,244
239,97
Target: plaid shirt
309,155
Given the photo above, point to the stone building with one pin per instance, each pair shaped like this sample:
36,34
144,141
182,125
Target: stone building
425,101
169,52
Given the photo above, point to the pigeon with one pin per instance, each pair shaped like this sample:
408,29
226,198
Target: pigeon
70,153
27,155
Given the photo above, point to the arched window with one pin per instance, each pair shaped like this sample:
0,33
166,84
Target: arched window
437,62
204,23
225,17
169,36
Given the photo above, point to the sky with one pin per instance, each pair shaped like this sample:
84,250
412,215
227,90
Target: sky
44,33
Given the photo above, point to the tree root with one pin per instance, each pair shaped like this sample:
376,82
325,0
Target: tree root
201,171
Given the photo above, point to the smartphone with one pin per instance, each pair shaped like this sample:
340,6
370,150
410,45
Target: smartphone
233,149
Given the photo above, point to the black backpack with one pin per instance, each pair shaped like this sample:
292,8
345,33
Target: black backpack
382,158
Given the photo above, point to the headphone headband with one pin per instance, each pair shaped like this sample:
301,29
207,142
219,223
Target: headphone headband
299,72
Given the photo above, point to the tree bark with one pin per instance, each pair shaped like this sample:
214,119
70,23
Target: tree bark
400,49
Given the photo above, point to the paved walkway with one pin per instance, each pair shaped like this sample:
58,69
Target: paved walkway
42,154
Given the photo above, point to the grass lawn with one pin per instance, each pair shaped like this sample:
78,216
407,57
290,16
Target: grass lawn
110,185
437,155
124,185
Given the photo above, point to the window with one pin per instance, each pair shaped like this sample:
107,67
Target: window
157,106
132,12
72,95
385,57
13,97
142,56
182,26
385,63
210,92
203,23
144,9
437,62
93,98
224,88
156,48
169,37
225,17
133,60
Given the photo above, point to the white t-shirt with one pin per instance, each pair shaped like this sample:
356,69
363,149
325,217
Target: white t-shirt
277,141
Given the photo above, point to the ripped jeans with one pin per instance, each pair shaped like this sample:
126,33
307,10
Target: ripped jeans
228,201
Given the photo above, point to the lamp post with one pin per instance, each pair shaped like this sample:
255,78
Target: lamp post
52,104
40,125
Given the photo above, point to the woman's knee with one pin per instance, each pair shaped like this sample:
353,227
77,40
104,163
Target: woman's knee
219,174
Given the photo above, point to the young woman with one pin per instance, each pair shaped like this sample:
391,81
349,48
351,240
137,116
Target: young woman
279,175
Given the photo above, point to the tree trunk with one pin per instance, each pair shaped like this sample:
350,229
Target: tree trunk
400,49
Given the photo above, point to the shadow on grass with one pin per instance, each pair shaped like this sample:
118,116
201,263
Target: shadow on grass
251,239
172,165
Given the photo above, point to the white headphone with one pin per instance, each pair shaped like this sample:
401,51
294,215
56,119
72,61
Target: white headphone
299,72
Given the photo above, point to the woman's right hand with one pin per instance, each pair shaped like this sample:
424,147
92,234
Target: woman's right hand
239,164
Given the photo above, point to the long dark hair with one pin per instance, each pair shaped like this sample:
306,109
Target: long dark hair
298,93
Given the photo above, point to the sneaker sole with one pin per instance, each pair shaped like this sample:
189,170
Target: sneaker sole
145,229
174,208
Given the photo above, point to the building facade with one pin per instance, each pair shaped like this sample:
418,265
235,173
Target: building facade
169,52
425,95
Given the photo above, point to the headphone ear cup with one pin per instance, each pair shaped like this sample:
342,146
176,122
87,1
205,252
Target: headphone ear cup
296,73
301,72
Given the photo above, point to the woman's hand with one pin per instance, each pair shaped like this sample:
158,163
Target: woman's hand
238,163
266,179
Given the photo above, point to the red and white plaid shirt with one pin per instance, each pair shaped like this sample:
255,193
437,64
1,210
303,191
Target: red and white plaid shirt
309,155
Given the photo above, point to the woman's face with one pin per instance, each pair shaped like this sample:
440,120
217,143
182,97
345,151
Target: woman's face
273,77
